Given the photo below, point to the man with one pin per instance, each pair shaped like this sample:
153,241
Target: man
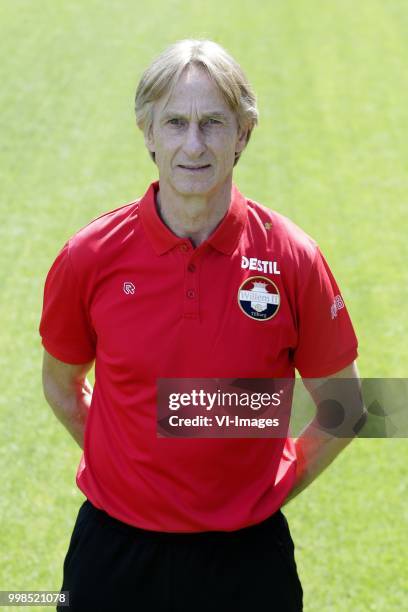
152,290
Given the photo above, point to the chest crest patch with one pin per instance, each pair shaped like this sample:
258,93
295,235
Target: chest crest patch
259,298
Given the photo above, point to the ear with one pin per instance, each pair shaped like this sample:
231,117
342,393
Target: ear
242,139
149,139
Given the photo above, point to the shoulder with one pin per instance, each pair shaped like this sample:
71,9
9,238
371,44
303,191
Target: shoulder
103,234
281,234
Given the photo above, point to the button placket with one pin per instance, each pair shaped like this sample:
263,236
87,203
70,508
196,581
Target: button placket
191,301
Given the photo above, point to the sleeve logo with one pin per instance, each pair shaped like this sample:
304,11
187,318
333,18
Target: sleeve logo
336,306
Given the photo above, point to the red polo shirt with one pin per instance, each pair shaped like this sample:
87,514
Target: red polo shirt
255,300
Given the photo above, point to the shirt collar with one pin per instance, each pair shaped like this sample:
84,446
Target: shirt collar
224,238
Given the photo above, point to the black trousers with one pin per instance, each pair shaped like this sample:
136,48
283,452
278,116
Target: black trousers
112,566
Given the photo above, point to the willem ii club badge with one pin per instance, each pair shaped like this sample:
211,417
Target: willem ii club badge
258,298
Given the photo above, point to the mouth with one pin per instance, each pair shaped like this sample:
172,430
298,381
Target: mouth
194,168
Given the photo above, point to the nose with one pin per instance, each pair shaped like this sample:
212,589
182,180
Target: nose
194,142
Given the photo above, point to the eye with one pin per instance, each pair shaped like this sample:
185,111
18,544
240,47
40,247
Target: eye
176,121
212,121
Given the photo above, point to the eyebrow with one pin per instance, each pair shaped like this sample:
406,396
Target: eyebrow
176,115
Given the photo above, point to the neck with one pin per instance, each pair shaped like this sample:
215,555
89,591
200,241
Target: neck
193,216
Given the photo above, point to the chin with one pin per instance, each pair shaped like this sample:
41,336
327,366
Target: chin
193,187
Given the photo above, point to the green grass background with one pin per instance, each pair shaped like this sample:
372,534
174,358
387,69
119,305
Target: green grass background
331,152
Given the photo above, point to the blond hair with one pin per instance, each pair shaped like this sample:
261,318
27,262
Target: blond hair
163,73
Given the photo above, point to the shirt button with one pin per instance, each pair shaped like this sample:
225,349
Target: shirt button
184,248
191,268
191,293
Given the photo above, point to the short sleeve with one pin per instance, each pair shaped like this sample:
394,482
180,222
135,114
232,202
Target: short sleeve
327,342
65,326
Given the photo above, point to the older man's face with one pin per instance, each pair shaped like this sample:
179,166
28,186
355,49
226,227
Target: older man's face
195,136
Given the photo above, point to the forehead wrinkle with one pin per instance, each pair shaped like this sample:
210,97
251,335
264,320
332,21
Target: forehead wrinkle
171,107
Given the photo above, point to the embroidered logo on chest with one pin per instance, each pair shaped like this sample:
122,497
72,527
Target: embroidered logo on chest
129,288
259,298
